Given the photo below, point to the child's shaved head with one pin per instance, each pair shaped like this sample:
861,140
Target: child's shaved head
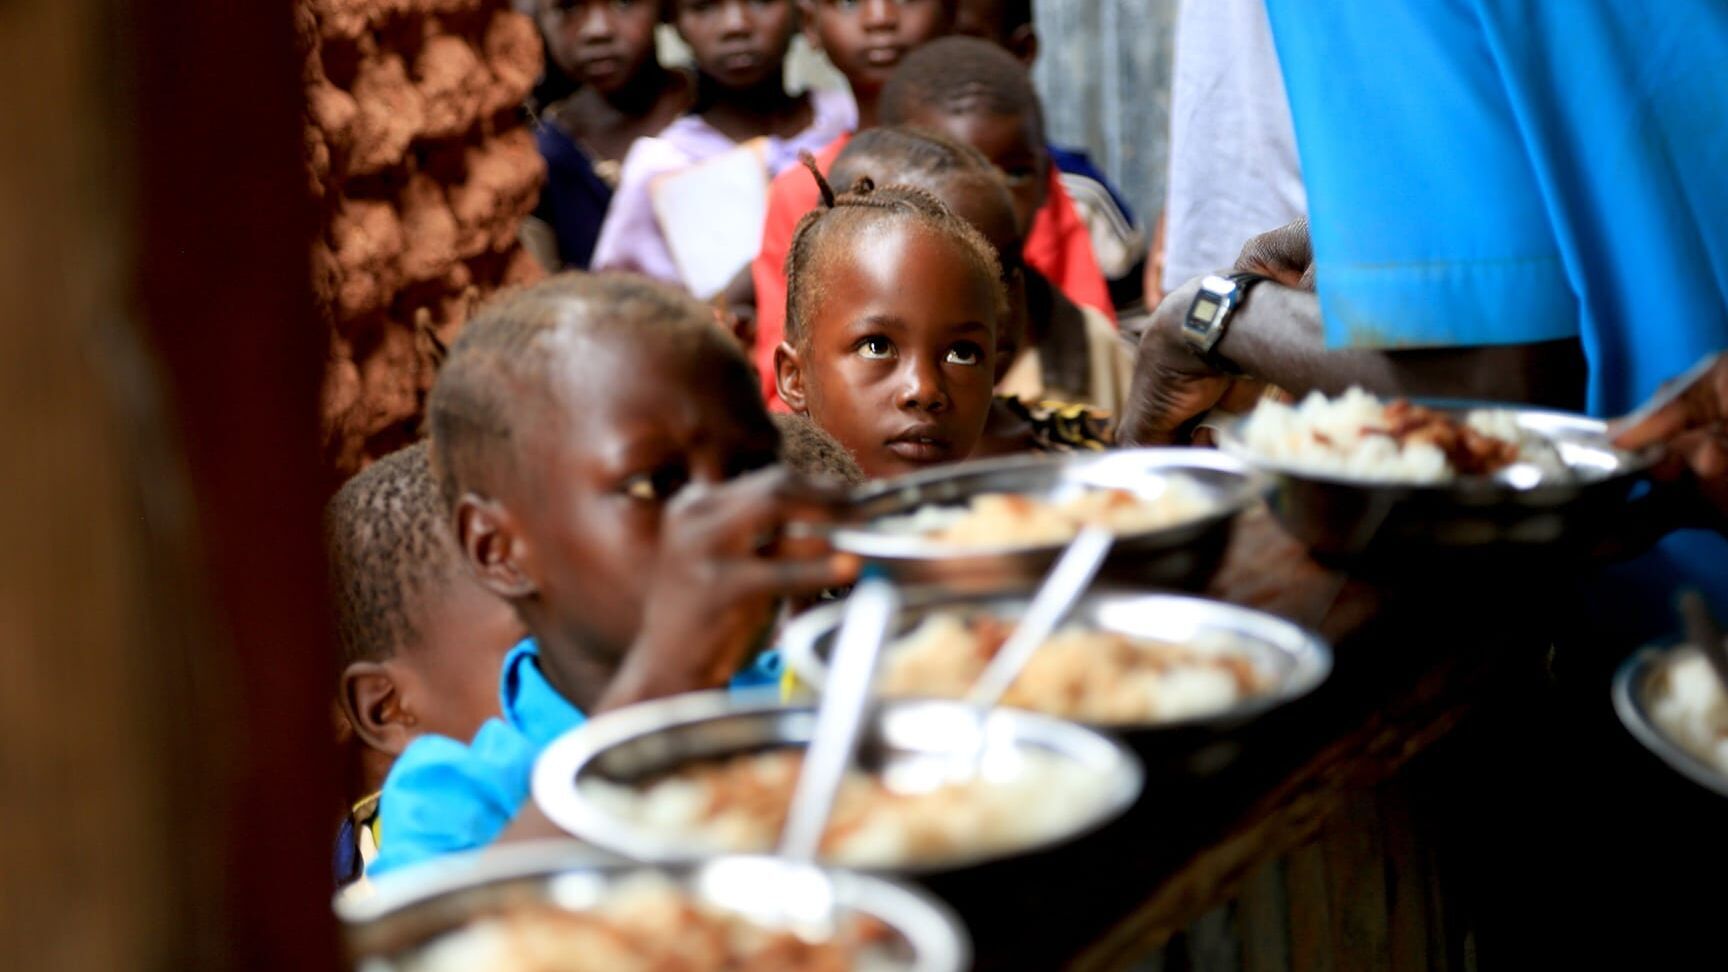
499,379
389,548
906,155
960,75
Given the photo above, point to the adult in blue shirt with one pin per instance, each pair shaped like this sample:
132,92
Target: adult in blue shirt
1494,186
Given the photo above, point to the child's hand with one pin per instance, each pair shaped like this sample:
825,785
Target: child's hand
724,564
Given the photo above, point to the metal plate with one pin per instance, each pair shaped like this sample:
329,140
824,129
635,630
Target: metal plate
412,907
1184,554
1628,692
914,737
1296,660
1340,516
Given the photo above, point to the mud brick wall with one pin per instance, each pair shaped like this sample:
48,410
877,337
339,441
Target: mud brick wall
422,166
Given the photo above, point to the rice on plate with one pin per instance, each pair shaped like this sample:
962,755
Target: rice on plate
739,804
1016,520
1686,702
648,923
1358,436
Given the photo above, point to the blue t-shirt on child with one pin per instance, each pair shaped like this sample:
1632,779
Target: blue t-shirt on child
443,796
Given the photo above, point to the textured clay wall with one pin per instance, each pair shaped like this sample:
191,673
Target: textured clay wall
422,166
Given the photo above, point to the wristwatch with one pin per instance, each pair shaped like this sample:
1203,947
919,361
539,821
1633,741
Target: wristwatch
1209,315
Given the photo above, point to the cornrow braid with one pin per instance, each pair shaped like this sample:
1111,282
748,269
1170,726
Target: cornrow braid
842,217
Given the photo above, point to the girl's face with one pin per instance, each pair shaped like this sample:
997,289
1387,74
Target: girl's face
738,43
898,360
867,38
600,43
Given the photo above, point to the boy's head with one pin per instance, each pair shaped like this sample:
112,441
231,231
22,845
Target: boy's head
565,418
603,44
1006,23
867,39
422,640
975,92
892,308
740,44
965,181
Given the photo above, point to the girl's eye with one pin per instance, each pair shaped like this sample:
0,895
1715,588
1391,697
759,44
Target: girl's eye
875,348
1019,177
654,487
965,354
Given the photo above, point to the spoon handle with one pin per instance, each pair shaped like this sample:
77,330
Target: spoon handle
1703,631
841,718
1068,580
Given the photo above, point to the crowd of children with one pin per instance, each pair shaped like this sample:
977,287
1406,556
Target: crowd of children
603,510
599,513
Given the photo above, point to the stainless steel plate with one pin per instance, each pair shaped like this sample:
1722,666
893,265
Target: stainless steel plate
1295,660
1629,690
412,907
1340,516
1184,554
924,738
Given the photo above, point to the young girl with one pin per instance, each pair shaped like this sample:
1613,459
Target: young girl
739,48
1042,359
866,42
607,47
605,459
891,327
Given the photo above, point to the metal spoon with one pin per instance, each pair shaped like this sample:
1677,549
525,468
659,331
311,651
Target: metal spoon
1703,631
1063,586
841,717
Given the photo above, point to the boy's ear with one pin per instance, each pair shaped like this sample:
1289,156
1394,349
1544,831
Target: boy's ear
372,703
1023,44
789,377
494,546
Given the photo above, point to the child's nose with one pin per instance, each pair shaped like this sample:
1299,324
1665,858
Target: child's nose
922,388
733,19
881,14
596,24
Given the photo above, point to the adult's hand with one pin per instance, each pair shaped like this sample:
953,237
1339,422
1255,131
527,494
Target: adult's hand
1172,384
1690,416
1285,254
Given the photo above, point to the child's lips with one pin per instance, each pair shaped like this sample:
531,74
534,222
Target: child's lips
883,56
921,446
740,61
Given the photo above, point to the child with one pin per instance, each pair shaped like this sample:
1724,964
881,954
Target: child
891,327
740,51
1118,243
1043,365
866,42
976,93
1056,243
422,640
602,450
607,47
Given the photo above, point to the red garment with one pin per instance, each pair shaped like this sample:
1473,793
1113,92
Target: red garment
1058,246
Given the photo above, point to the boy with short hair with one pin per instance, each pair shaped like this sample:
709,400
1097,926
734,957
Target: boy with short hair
605,460
422,641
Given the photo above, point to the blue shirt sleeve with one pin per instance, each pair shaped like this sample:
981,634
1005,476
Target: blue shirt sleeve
443,796
1429,224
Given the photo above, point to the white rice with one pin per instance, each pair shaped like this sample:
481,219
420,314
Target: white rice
1325,436
1686,701
995,520
916,819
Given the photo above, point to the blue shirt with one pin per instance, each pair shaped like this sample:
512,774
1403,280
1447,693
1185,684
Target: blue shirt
574,199
1511,171
443,796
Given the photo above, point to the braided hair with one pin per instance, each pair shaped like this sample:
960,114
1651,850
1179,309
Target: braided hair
823,232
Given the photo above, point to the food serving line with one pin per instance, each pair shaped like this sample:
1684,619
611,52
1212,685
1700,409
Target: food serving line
1414,623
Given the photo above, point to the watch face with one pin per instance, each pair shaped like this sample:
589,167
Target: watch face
1205,311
